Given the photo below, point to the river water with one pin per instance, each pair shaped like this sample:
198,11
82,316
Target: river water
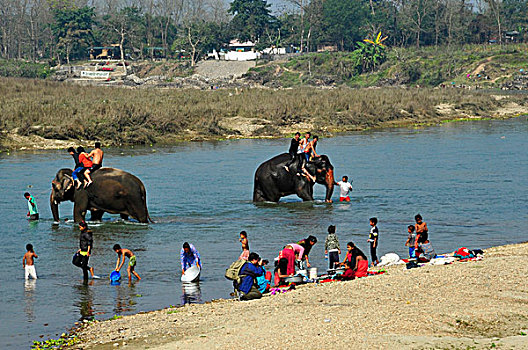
467,179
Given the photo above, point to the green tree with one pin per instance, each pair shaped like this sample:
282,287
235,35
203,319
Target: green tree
251,19
73,29
344,21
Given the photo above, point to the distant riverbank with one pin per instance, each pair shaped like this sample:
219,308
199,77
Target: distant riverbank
478,305
49,115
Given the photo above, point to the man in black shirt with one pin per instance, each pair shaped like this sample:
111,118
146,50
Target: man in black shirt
294,150
85,245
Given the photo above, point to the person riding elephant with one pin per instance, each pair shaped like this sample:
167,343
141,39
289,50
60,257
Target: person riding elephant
114,191
272,181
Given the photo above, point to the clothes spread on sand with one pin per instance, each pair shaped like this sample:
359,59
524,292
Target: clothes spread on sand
345,188
188,260
32,206
30,271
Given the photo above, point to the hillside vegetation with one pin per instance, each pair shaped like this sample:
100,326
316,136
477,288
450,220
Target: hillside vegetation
488,66
34,111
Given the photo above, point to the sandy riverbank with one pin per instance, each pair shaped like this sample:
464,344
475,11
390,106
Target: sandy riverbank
474,305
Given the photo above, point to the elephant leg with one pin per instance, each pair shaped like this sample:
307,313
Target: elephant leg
96,215
80,206
79,212
124,216
305,192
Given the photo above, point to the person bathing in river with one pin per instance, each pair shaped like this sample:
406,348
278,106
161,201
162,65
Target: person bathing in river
87,164
245,245
32,213
78,166
86,249
189,256
294,149
28,262
345,188
121,254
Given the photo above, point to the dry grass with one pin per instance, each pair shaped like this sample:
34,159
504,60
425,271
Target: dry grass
141,116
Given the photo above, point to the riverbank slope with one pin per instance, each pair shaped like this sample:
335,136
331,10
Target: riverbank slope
40,114
475,305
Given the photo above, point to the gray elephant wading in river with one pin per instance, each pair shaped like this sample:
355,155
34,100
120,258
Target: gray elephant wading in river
114,191
273,181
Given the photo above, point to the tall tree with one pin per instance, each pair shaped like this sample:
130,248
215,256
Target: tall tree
344,21
73,29
251,18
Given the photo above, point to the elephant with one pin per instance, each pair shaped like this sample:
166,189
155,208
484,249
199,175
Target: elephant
113,190
273,181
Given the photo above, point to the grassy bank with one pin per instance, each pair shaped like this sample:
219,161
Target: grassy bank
489,66
58,111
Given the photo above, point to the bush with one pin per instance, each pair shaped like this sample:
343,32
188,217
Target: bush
23,69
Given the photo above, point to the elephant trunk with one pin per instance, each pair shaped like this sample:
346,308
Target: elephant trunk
54,205
329,183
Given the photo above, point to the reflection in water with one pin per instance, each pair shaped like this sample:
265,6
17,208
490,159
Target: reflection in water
85,303
191,293
125,298
29,294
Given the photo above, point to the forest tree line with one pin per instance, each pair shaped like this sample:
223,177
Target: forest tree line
58,31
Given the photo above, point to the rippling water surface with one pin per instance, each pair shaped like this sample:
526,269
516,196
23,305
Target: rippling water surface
468,180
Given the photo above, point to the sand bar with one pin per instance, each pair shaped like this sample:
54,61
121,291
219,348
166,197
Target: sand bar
472,305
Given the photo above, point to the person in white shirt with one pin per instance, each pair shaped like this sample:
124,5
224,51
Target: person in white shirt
345,187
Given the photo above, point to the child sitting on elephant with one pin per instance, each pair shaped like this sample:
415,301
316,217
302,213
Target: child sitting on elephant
86,163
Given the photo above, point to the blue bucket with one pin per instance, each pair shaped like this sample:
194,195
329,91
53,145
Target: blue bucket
115,276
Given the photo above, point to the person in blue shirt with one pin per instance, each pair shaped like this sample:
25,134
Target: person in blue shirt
248,273
189,256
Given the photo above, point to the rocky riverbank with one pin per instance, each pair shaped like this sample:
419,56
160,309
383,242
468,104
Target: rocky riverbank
470,305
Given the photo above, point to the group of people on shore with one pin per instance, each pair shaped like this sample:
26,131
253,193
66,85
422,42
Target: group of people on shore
255,280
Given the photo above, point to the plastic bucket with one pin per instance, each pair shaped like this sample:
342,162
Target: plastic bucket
115,276
312,273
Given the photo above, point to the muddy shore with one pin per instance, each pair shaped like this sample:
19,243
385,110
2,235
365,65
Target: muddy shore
465,305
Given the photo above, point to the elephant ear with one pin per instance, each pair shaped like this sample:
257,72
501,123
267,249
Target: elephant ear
67,183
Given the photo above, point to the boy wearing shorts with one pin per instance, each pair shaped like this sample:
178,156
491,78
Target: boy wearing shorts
122,253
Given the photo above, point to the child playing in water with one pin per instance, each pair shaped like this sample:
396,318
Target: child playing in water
373,240
245,245
345,188
411,240
122,253
29,263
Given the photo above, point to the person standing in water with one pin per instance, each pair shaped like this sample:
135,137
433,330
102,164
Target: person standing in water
85,249
121,254
345,188
245,245
28,262
189,256
32,207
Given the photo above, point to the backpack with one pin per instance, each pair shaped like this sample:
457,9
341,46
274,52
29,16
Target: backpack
233,271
